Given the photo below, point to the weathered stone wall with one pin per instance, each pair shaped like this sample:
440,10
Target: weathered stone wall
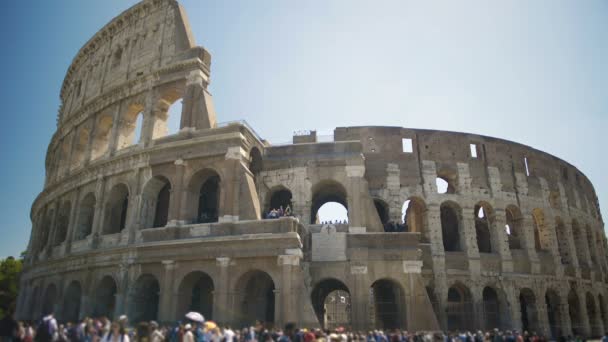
168,211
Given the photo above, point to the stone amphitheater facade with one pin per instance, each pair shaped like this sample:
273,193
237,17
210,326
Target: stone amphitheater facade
169,223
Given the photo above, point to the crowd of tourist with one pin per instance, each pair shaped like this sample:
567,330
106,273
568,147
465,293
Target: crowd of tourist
104,330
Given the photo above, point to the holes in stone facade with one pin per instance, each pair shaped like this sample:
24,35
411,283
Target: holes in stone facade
514,224
482,228
116,210
446,182
473,148
130,130
450,226
329,202
442,185
414,216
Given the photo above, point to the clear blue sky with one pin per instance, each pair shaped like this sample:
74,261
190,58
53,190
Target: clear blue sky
535,72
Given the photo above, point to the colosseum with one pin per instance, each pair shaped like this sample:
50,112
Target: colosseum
445,230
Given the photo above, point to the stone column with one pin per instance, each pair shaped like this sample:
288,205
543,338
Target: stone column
198,111
515,307
229,209
132,224
150,116
165,311
122,292
72,223
468,240
51,237
359,200
89,148
543,318
179,193
564,315
221,305
117,123
478,308
500,239
98,217
572,247
584,315
360,296
289,265
529,244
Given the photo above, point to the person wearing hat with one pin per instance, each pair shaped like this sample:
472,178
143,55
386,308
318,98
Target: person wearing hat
155,334
188,336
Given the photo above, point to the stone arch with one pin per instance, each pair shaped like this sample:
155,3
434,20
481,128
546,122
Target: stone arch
495,308
255,297
127,131
156,197
205,193
86,215
574,306
104,300
116,208
32,302
528,309
45,229
279,197
195,293
553,302
144,299
484,223
596,330
459,308
62,223
602,304
514,227
49,299
580,243
71,302
101,141
388,304
562,241
414,216
541,234
256,162
324,192
451,226
448,180
331,301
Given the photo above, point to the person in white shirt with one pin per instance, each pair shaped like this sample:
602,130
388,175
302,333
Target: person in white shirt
188,336
116,334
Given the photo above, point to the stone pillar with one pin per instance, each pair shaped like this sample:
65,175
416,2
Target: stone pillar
117,123
221,305
500,239
289,265
165,310
419,309
468,240
198,111
122,292
478,309
572,246
512,295
541,312
584,317
132,224
359,201
150,115
529,244
51,237
98,217
72,223
179,194
360,296
89,148
229,209
564,314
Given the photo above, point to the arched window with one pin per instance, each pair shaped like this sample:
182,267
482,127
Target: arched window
413,214
446,181
329,202
255,298
580,243
84,223
155,202
575,313
101,142
541,242
62,223
332,303
71,302
79,150
552,301
529,315
208,202
104,301
144,299
129,133
389,304
256,163
279,200
514,227
482,228
116,209
168,113
459,308
450,226
196,294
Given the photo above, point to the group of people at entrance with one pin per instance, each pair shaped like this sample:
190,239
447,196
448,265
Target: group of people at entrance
48,329
280,212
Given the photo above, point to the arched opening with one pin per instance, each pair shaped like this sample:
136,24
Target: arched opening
279,204
332,303
208,200
527,304
382,210
482,227
575,313
562,241
450,227
155,202
541,242
168,113
413,215
86,214
80,148
602,305
329,203
459,308
49,300
553,313
256,164
71,302
144,299
101,142
63,221
388,299
580,243
196,294
129,133
116,209
256,298
592,250
491,309
596,330
105,298
514,227
32,302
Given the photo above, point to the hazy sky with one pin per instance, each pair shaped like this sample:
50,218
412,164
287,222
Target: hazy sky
535,72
